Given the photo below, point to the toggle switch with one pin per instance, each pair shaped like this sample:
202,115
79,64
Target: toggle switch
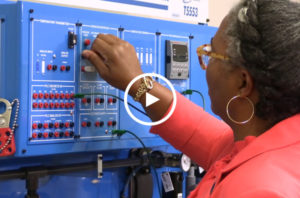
88,69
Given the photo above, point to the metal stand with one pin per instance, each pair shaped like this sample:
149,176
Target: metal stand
32,184
138,158
32,176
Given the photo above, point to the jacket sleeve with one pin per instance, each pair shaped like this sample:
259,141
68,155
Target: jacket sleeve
195,132
260,194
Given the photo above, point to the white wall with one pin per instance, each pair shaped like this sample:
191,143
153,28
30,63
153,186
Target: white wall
217,10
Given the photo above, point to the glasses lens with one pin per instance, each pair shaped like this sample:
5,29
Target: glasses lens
207,48
204,57
205,60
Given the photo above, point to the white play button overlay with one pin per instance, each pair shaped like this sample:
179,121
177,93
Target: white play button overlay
150,99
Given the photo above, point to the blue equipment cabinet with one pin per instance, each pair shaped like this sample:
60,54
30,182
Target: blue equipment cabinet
41,65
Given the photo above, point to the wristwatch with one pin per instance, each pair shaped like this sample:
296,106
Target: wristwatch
146,85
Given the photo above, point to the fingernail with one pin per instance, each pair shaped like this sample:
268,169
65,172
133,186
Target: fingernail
85,54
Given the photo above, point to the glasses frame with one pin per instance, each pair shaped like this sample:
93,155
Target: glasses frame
201,52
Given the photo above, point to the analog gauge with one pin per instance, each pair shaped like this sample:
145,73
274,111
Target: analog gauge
185,162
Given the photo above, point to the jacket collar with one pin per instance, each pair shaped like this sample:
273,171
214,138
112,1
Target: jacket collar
283,134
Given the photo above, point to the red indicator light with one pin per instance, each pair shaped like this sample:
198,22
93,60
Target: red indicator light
56,134
35,96
67,124
87,42
62,105
46,96
67,134
41,95
109,123
83,124
97,100
34,105
46,105
41,105
46,125
110,100
67,105
56,125
34,126
97,124
34,135
83,100
62,68
49,67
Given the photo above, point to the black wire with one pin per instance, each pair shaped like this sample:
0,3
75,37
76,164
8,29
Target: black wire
124,191
148,154
114,97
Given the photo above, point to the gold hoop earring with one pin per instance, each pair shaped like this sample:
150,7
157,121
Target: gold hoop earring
227,110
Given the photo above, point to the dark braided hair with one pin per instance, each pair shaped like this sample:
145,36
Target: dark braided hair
264,38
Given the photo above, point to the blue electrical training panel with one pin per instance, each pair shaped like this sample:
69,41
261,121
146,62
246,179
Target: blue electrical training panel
41,65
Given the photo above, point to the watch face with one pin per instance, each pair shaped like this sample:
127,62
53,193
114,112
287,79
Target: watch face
148,80
185,162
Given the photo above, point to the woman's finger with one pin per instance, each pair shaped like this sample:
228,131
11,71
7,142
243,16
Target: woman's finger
97,62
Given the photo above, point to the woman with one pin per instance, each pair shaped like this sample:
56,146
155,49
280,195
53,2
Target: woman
253,77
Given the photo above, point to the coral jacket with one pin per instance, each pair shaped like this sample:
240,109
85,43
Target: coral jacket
266,166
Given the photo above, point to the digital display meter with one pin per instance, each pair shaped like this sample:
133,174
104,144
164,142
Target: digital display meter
177,60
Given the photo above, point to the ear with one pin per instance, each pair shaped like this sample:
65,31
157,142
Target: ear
247,83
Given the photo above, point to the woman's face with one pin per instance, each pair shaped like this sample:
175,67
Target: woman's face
221,79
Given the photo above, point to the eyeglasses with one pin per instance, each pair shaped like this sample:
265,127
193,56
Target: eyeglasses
204,54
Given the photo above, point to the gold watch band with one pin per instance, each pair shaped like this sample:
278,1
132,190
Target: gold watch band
147,84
